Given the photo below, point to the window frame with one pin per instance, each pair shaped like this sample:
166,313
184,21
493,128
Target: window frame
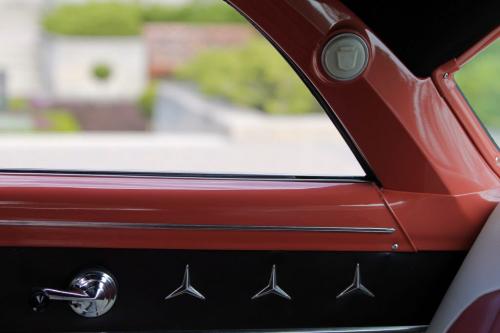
363,162
450,91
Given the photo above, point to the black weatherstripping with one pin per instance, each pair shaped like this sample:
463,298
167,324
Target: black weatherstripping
407,286
185,175
425,34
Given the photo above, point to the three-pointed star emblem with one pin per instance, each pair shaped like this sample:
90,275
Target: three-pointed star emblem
186,288
356,285
272,287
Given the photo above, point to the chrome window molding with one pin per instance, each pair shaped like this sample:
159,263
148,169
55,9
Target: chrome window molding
188,175
196,227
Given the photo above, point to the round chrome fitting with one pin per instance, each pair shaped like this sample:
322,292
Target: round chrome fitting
101,289
90,294
345,57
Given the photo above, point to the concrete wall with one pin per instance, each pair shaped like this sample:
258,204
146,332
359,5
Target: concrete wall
68,68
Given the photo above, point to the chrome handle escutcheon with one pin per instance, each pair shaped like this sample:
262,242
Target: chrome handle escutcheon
91,294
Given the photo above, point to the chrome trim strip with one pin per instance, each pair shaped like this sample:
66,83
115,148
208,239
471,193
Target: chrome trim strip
199,227
379,329
374,329
385,329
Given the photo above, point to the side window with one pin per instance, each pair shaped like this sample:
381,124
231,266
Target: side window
155,86
479,83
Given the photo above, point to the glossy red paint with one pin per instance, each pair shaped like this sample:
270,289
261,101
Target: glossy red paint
194,201
436,181
443,77
442,222
400,122
436,187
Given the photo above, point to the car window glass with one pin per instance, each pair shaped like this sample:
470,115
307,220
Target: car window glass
479,82
155,86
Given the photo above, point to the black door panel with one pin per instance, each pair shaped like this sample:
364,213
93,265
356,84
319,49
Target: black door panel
407,288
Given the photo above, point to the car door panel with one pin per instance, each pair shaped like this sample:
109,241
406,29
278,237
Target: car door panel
145,230
406,288
184,213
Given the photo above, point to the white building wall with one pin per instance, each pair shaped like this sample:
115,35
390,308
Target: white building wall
25,57
69,62
19,33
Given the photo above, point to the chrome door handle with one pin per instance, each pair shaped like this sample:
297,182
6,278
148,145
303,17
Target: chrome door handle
91,294
65,295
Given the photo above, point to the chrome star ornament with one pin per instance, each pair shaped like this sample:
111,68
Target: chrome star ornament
272,287
186,288
356,285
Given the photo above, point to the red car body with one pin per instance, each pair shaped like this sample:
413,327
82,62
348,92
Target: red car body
432,179
436,181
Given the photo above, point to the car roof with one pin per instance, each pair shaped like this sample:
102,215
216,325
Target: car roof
425,34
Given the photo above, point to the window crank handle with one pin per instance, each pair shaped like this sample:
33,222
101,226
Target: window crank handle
65,295
90,294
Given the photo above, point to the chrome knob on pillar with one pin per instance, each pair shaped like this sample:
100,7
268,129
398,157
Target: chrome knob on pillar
90,294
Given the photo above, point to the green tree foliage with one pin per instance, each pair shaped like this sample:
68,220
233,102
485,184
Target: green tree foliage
94,19
61,120
101,72
111,18
253,75
148,98
479,81
194,12
18,104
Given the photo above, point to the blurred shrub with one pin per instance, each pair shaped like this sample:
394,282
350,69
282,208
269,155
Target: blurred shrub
196,12
108,18
254,75
479,82
148,99
94,19
61,120
101,72
18,104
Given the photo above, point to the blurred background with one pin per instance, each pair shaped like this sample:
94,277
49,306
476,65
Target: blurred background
168,86
479,80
